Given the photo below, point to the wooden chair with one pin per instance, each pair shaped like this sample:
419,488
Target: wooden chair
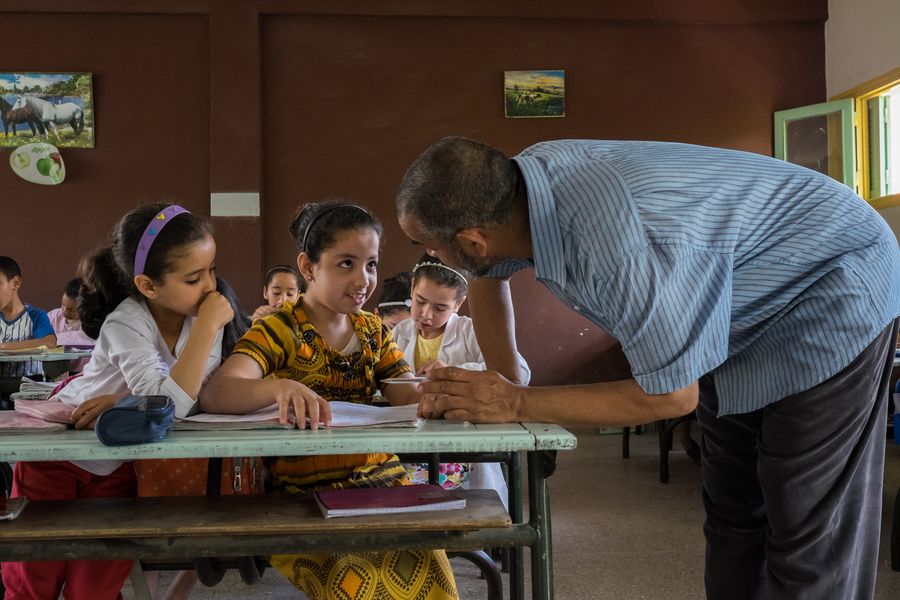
665,428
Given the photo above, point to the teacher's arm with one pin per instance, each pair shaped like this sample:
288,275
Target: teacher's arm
490,304
488,397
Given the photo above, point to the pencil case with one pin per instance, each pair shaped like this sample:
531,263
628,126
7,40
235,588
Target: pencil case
136,420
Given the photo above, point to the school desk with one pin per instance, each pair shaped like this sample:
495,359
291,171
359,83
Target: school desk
45,356
182,528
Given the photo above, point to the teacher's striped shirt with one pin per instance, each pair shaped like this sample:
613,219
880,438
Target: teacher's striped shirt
770,276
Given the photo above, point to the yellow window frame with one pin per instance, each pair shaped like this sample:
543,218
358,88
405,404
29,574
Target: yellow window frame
860,95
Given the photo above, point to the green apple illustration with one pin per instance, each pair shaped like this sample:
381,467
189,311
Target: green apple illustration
43,165
21,161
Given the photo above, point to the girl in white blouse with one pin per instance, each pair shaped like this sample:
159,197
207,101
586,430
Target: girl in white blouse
150,300
436,336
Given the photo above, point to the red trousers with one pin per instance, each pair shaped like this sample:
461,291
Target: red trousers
76,579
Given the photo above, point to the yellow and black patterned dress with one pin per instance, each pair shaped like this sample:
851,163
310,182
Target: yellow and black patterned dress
287,345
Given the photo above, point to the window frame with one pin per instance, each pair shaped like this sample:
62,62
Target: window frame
860,95
845,108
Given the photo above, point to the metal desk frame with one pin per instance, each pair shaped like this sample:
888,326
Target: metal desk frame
434,437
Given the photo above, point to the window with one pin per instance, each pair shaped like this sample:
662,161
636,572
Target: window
853,138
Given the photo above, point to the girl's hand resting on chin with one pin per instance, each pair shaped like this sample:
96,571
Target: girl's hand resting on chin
215,310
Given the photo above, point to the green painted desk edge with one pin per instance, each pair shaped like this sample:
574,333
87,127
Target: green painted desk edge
439,436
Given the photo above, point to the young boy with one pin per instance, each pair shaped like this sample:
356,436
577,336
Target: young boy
21,326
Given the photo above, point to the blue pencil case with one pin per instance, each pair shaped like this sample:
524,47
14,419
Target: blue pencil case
136,420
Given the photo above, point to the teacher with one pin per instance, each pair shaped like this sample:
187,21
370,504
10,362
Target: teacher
760,293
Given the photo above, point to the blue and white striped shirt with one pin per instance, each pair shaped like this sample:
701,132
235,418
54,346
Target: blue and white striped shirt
31,324
768,275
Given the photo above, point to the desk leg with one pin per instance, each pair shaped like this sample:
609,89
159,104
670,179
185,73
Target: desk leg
539,517
517,513
138,583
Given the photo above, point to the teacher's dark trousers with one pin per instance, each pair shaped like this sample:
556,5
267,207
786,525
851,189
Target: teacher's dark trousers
793,490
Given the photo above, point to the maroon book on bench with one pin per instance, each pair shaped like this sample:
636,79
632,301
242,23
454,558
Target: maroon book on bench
373,501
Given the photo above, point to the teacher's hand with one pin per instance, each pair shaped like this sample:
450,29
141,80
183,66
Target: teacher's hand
476,396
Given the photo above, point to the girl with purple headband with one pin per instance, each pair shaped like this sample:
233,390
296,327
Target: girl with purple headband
150,300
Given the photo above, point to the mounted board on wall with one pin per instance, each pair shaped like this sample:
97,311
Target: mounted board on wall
534,94
38,163
52,106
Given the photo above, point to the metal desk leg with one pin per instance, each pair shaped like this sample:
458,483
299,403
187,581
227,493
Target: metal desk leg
434,468
516,512
539,517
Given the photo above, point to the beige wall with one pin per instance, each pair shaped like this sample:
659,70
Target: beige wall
861,42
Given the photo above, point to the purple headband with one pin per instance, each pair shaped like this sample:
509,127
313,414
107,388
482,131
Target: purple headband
161,219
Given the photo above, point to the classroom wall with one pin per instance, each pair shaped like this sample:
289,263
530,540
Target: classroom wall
300,101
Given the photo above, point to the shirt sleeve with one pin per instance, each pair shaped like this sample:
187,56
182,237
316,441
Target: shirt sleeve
389,357
270,342
40,323
670,307
76,337
132,350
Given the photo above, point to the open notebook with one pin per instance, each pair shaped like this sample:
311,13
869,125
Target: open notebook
344,414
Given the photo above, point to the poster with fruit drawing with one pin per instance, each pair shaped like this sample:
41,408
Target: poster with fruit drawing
54,108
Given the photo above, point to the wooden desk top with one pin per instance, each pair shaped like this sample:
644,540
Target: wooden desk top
432,436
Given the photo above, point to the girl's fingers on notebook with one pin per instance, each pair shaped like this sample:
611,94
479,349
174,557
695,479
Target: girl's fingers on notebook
325,412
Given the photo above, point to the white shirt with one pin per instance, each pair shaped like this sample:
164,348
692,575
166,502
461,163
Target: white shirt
131,357
459,347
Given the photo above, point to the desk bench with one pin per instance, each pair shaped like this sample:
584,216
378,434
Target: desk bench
200,526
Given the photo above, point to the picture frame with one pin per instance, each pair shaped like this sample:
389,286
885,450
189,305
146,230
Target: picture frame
534,94
56,108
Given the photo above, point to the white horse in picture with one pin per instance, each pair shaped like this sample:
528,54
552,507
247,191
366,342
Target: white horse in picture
52,115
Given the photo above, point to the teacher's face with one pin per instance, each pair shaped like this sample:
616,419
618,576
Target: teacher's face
451,254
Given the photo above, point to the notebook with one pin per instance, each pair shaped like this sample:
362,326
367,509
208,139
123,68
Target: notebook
12,422
375,501
343,414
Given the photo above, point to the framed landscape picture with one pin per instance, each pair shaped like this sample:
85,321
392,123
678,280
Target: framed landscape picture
534,93
57,108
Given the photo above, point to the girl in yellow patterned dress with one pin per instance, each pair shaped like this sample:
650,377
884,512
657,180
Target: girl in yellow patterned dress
321,348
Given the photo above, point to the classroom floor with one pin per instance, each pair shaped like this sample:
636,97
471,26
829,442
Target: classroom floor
618,533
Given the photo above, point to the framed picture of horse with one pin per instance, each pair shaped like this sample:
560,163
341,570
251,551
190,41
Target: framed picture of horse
57,108
534,93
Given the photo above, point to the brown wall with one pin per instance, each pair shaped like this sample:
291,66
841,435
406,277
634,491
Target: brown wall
303,101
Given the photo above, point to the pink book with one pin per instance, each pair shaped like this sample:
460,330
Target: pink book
53,411
373,501
12,422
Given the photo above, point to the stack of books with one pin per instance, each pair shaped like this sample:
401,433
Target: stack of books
35,390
